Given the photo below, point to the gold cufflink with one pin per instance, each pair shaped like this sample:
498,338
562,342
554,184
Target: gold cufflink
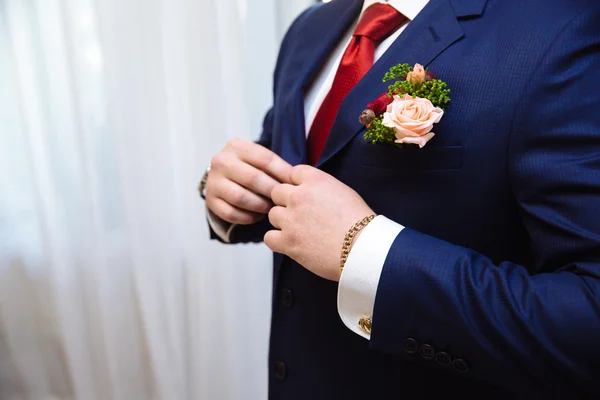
365,324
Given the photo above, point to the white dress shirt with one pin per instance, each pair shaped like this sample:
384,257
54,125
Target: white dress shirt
359,281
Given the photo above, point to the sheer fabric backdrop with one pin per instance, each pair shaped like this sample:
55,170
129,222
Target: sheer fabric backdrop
109,112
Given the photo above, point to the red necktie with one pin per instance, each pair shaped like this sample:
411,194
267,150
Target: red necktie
378,22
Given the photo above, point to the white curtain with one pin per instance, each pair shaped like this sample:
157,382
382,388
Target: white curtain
109,112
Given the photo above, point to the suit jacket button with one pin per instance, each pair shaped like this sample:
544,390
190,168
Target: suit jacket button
286,298
443,358
460,365
410,346
427,352
280,370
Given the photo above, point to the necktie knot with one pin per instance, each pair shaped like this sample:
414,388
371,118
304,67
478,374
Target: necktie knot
379,21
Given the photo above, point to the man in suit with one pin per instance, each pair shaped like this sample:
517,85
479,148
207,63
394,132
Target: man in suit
480,274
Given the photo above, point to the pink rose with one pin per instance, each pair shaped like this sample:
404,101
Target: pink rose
417,75
412,119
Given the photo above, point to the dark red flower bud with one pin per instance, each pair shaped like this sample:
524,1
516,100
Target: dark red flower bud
429,76
367,117
379,105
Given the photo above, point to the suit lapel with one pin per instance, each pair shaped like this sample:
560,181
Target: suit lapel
434,30
310,54
330,22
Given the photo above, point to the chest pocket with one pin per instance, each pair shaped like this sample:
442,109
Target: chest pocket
408,158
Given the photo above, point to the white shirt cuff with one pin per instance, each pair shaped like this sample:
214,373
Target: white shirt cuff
360,278
222,228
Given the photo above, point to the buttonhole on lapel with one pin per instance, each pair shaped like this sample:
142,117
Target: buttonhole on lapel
436,38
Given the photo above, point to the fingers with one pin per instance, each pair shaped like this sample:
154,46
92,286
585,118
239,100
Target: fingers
252,178
281,194
301,173
241,180
252,166
274,241
239,196
277,217
262,159
231,214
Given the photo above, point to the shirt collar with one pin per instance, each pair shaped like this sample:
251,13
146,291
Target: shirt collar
408,8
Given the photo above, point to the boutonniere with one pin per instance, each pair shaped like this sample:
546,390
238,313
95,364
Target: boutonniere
405,114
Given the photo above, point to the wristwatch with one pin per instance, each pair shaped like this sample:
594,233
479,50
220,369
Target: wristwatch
202,185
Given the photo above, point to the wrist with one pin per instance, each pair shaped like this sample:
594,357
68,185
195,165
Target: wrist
357,219
352,236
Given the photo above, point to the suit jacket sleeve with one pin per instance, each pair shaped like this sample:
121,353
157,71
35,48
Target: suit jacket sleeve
504,325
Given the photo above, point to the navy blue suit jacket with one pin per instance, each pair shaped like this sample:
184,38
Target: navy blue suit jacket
493,288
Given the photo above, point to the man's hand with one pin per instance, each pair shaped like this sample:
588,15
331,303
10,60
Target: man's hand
241,178
313,215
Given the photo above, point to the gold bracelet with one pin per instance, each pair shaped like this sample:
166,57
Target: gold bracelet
357,227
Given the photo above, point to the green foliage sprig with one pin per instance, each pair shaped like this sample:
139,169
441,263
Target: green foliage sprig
379,133
435,91
397,72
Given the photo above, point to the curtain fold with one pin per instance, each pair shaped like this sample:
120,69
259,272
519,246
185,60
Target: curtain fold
110,111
